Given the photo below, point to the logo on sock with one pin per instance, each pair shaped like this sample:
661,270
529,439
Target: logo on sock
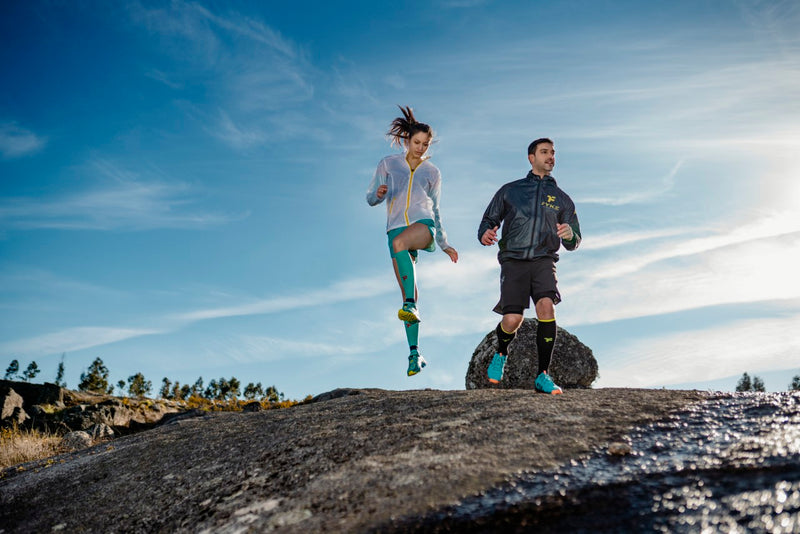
549,339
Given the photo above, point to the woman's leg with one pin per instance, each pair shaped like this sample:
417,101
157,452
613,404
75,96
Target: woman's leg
415,237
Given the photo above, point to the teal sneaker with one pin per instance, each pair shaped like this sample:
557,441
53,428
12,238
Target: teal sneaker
544,384
495,371
415,363
408,313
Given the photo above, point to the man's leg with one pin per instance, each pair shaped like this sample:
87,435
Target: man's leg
545,341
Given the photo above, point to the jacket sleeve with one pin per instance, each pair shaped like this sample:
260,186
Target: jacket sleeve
378,179
494,214
435,192
571,218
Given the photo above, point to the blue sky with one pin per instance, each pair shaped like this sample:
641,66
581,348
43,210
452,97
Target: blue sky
182,184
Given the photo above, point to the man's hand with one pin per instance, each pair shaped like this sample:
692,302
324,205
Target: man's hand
565,232
381,192
453,253
489,237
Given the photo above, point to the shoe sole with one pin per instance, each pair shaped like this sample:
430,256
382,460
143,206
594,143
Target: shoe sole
493,381
554,392
407,317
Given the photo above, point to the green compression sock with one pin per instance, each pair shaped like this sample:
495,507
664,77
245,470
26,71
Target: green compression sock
405,267
412,334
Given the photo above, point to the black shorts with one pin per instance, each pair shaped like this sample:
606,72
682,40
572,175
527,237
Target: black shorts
523,280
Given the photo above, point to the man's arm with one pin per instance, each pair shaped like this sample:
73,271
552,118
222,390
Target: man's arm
492,218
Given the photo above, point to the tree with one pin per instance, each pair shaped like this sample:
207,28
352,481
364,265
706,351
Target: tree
744,383
164,392
795,385
12,370
253,391
197,388
138,386
272,395
758,384
60,373
30,372
121,387
96,378
212,390
235,386
186,391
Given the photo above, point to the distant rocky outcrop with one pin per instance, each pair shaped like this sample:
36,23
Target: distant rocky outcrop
50,408
572,366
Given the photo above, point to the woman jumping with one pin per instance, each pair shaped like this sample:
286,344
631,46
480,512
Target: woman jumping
411,184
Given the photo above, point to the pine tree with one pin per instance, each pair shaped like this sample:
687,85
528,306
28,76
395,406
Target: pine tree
795,385
166,386
96,378
12,370
744,383
121,387
758,384
235,387
197,388
138,386
31,372
60,373
253,391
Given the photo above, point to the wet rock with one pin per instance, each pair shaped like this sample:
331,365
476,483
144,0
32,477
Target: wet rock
572,366
76,440
619,448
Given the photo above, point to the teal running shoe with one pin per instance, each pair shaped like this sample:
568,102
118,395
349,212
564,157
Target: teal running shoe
415,363
408,313
544,384
495,371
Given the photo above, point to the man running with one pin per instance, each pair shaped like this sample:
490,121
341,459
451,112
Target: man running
537,218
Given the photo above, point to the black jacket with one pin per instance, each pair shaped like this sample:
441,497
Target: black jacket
529,209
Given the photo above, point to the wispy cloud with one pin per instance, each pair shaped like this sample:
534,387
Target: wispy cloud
16,141
701,355
123,202
71,340
253,75
663,186
338,292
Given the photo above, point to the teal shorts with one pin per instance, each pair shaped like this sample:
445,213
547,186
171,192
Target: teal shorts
391,234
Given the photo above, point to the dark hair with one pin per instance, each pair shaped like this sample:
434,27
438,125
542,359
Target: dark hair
532,146
405,127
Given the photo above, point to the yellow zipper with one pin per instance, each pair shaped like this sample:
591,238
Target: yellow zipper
408,194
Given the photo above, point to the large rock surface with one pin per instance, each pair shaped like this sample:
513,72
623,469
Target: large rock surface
572,365
359,460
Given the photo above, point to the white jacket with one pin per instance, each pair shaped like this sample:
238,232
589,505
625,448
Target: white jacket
412,196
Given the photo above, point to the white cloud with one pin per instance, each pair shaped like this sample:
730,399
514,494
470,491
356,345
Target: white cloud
71,340
704,355
124,201
16,141
666,185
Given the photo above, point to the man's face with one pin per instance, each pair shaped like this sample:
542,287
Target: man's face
543,159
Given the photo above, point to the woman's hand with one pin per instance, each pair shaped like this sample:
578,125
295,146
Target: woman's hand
381,192
453,253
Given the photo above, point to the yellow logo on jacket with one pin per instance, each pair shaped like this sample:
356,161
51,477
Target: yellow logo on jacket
549,203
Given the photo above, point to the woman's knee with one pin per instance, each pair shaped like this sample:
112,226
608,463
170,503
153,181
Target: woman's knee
398,244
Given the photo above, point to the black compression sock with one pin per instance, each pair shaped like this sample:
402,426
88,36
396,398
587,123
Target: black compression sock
503,339
545,341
